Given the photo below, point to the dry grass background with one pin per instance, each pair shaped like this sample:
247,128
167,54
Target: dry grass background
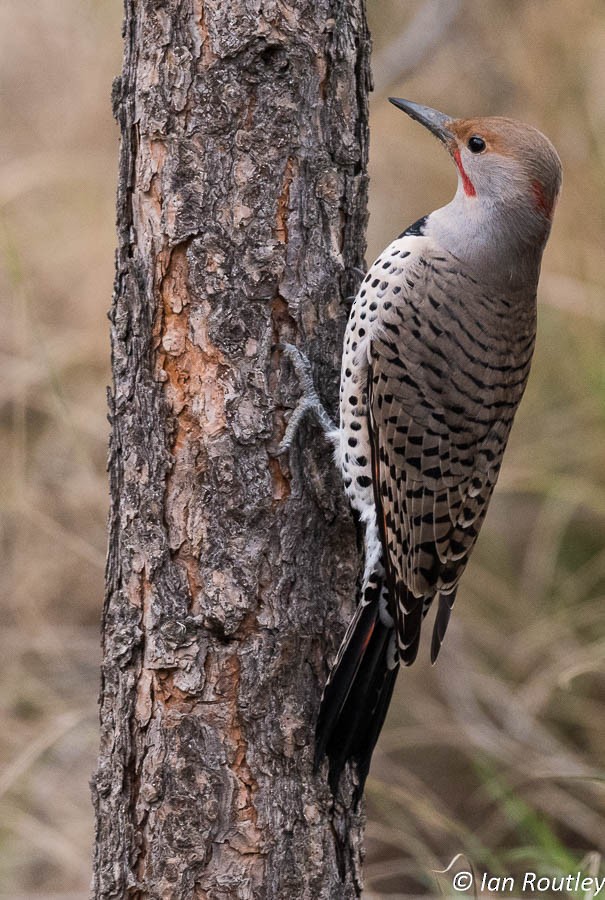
498,751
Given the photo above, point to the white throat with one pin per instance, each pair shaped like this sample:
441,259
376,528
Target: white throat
495,242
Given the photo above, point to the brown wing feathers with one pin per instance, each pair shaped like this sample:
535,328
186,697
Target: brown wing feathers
430,503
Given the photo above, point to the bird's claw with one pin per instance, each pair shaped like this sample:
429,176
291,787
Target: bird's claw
308,402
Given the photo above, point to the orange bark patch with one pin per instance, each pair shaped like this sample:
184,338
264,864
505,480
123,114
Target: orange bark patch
192,387
169,696
248,837
283,205
208,56
281,485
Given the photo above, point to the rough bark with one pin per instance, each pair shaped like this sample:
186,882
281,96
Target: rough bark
241,214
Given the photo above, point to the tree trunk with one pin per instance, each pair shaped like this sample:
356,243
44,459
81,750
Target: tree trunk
241,213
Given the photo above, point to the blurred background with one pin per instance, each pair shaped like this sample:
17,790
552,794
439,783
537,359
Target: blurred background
497,753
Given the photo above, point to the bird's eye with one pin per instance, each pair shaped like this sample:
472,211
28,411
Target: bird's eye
476,144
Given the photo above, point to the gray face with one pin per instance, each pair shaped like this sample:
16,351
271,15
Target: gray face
501,162
518,167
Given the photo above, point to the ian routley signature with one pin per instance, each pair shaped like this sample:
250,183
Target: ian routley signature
586,884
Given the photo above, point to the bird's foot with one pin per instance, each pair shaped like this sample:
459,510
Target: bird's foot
308,403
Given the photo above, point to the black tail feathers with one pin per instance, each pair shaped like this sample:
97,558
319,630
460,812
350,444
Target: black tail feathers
446,601
357,696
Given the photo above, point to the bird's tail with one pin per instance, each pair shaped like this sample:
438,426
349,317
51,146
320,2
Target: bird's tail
358,692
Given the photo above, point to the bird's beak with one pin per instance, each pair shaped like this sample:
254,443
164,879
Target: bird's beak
435,121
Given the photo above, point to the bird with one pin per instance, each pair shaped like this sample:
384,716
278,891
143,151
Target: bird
436,357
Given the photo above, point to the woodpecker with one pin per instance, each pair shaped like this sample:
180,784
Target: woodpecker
437,353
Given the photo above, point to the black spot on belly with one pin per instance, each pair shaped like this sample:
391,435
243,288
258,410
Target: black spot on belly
363,481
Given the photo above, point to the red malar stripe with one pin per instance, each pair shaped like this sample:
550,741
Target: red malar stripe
467,184
541,199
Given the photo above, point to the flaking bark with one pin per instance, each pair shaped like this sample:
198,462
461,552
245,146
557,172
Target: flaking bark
241,214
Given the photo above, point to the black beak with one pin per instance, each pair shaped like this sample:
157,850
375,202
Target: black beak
435,121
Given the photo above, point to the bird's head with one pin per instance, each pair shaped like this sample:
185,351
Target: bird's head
503,165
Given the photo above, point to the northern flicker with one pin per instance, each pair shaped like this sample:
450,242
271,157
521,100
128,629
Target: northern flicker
436,357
